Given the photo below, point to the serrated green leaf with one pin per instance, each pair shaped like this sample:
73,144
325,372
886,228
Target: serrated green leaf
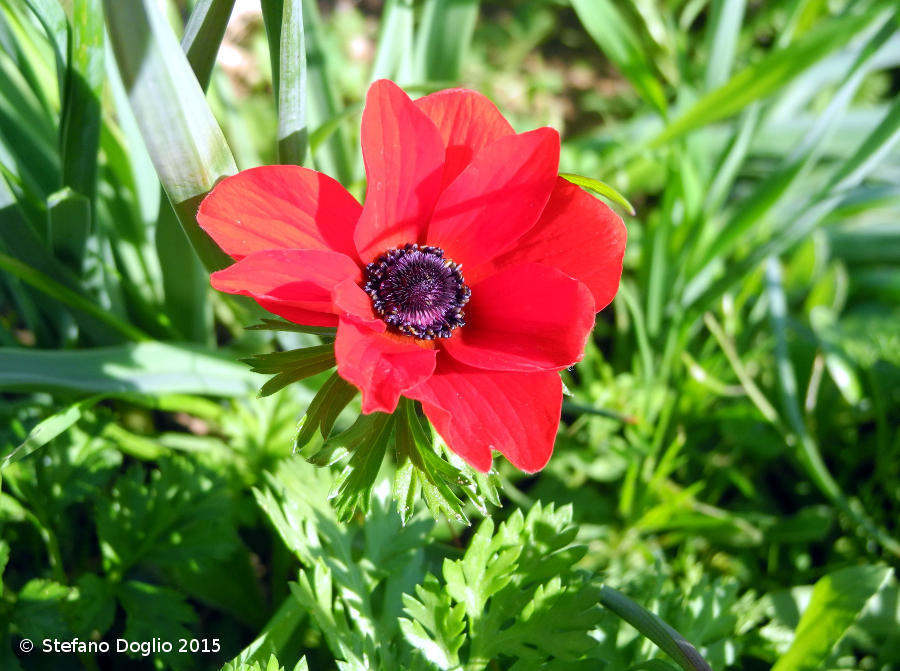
295,359
168,516
282,325
437,625
352,489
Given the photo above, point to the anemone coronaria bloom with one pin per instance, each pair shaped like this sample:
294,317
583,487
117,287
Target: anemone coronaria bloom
469,277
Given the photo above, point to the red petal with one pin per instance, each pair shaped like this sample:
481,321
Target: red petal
301,285
497,197
467,121
576,233
382,365
279,207
525,318
476,411
404,159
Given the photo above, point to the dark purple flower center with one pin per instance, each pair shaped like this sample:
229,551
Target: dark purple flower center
417,292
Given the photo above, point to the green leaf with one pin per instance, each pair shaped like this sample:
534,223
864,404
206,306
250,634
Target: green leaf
203,36
367,445
837,600
333,156
282,325
41,610
274,638
443,38
288,50
332,397
395,41
69,224
486,568
722,35
437,626
80,123
146,368
67,296
48,429
154,612
766,77
291,366
601,188
604,23
651,626
185,283
186,145
167,516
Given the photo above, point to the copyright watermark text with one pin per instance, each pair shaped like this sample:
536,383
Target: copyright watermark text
121,645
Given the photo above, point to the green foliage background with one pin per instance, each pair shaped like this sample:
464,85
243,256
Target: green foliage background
729,456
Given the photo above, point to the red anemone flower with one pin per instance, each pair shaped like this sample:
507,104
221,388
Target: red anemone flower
467,280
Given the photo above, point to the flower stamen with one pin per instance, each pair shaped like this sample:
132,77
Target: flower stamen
417,292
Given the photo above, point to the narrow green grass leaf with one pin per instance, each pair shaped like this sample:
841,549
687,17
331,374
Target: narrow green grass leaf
871,152
847,176
292,130
69,224
48,429
651,626
723,33
808,453
600,188
80,123
186,145
145,368
185,283
203,36
53,19
395,42
605,24
333,156
443,38
837,600
766,77
67,296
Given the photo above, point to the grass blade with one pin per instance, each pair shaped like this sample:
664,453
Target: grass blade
152,368
764,78
600,188
203,36
333,156
837,600
80,123
63,294
395,42
69,224
621,45
723,33
186,145
443,38
289,56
